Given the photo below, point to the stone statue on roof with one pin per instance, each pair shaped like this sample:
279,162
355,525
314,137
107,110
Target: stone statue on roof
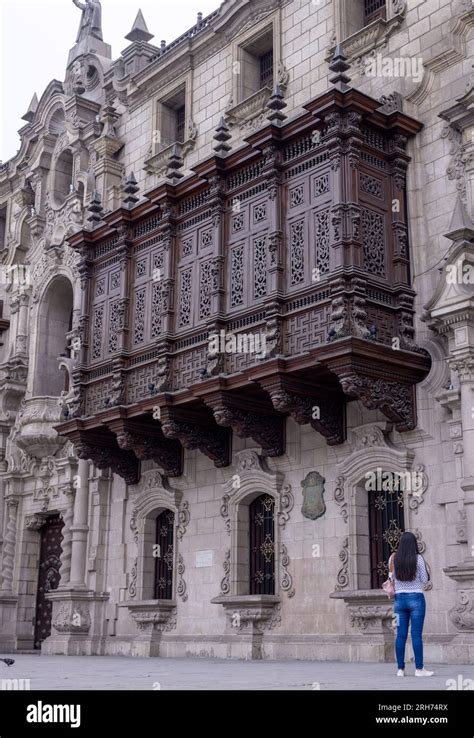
91,21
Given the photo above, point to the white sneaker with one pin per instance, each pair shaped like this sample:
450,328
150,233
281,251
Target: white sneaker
423,672
401,672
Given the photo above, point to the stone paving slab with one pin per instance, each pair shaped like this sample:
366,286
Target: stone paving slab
115,672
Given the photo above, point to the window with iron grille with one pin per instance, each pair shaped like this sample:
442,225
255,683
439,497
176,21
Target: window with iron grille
164,555
266,69
374,9
180,123
386,525
262,545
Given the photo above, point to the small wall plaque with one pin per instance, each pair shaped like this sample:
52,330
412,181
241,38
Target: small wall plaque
313,490
204,558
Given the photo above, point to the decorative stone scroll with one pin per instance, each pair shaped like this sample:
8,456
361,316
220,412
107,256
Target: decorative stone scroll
252,473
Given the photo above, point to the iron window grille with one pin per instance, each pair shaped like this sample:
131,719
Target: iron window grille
266,69
164,556
386,525
374,9
262,545
180,123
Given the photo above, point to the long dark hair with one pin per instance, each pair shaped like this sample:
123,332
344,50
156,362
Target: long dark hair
406,558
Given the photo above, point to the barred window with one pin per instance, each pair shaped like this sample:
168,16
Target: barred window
374,9
266,69
386,525
262,545
180,123
164,555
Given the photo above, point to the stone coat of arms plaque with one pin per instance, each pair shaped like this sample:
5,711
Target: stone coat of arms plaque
313,490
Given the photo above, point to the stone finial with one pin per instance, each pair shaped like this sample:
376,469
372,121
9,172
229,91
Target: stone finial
32,108
461,227
109,118
339,65
139,30
95,209
130,189
221,136
275,105
175,163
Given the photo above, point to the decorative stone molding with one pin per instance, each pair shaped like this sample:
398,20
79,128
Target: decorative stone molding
256,613
286,581
373,37
181,584
36,421
63,222
150,615
9,545
158,163
342,574
156,495
416,496
461,527
183,519
462,614
372,449
453,51
225,581
152,619
251,113
339,497
369,611
252,473
72,618
35,522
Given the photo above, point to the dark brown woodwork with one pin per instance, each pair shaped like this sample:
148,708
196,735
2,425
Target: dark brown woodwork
147,441
249,418
194,431
324,411
100,446
49,576
290,240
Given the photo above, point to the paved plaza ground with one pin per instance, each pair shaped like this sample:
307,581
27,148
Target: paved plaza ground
110,672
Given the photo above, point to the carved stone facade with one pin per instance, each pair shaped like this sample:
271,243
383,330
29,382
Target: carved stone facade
214,337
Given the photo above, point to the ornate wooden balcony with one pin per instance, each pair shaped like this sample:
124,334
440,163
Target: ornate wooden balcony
273,282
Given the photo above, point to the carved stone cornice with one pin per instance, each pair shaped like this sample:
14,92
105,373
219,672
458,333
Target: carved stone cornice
373,36
464,366
250,612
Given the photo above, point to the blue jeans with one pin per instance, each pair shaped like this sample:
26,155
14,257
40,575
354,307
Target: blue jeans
409,607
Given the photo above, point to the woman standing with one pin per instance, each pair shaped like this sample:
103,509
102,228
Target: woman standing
408,571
